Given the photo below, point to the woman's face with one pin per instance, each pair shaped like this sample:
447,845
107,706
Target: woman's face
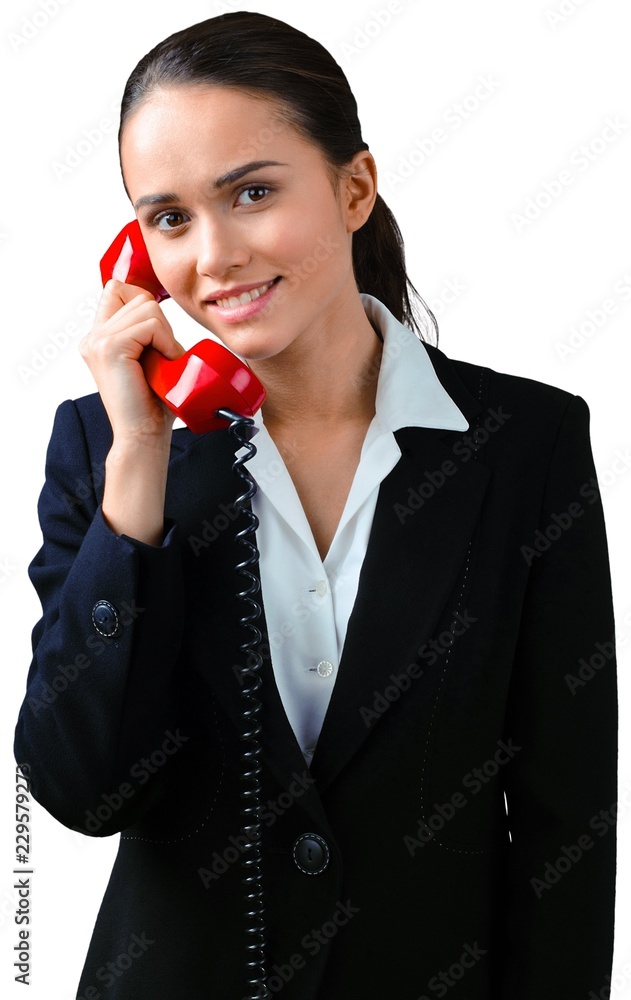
215,223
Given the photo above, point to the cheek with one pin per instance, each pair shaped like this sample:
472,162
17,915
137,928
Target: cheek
313,247
177,269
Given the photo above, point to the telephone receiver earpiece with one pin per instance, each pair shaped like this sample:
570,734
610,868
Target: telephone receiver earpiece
128,260
207,377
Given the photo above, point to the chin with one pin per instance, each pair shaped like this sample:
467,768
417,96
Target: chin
252,344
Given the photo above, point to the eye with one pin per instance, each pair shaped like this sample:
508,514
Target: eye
168,221
257,190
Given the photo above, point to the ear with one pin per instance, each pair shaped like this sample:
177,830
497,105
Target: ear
359,189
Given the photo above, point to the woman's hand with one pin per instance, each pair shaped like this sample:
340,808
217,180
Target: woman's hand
128,319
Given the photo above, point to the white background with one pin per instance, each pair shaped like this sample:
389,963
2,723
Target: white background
524,288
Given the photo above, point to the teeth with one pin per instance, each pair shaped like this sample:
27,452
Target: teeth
233,301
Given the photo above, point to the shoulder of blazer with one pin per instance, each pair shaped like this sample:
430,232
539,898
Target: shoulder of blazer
540,403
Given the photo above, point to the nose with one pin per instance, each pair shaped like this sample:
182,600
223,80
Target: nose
220,247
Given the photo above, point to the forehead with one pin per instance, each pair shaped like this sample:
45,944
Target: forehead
223,126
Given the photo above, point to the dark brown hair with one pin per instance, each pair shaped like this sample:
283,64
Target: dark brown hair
261,54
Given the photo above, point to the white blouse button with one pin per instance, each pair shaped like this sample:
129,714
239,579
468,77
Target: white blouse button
321,588
324,668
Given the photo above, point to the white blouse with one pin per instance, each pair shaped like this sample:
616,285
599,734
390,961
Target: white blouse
308,601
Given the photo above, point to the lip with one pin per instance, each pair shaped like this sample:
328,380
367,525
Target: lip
225,293
238,313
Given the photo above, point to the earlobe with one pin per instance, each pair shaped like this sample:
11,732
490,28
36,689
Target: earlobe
361,189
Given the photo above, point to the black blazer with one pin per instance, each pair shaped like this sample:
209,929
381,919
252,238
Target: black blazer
464,784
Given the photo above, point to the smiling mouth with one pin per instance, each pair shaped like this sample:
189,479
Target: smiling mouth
244,298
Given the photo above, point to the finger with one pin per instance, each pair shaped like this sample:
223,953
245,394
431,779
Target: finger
135,318
150,331
115,295
122,340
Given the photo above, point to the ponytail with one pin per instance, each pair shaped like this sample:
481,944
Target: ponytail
379,266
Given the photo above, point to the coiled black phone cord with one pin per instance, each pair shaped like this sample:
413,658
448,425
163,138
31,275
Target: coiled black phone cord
251,728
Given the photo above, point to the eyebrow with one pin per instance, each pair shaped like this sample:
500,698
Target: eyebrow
220,182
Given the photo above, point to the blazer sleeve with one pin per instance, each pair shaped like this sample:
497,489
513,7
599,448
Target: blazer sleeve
94,704
562,713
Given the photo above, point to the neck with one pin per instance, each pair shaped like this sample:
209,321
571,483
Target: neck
328,375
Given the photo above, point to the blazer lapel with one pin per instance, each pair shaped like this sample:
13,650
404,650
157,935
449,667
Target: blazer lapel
412,563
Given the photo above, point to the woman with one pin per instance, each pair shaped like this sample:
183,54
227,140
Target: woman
438,784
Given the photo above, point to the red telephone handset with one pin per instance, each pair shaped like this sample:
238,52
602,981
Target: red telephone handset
208,376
